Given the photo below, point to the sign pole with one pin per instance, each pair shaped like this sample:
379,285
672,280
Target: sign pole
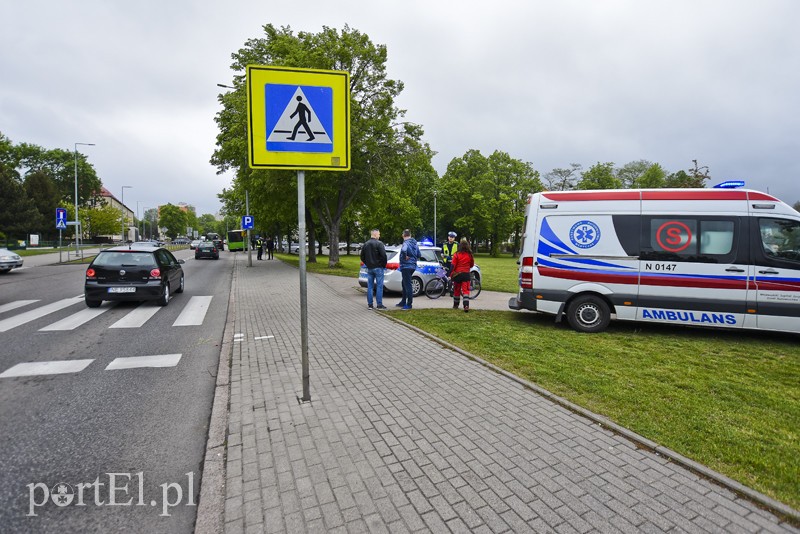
249,242
301,224
59,245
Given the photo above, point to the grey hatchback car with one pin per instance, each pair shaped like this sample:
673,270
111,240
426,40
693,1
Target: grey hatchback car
133,272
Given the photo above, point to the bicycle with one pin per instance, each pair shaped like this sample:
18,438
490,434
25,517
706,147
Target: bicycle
436,287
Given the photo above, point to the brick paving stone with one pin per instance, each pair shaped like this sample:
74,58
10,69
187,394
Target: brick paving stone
423,439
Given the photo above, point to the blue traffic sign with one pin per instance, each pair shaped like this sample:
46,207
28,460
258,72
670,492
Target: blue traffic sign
61,218
247,222
299,118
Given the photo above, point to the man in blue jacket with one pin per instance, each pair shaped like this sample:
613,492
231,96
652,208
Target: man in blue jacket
409,253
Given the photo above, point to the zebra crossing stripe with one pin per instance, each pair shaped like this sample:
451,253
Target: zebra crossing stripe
17,320
16,304
75,320
133,362
194,312
137,317
46,368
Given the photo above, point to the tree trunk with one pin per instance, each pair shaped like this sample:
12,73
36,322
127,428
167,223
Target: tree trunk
312,236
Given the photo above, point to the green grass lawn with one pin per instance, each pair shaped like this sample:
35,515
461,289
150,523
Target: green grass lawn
729,400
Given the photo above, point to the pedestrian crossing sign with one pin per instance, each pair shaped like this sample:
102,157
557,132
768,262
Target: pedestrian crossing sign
298,118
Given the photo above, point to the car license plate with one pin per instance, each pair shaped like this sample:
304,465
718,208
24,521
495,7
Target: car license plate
122,290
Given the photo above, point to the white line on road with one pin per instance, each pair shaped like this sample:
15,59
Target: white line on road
137,317
75,320
16,304
264,337
160,360
46,368
194,312
17,320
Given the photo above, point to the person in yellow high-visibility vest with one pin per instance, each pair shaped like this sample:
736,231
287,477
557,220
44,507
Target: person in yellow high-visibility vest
449,250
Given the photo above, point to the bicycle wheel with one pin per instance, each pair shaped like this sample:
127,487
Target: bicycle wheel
474,288
435,288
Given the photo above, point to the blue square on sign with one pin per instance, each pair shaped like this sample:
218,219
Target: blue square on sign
299,118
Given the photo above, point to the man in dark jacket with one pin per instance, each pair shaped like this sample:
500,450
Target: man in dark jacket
373,254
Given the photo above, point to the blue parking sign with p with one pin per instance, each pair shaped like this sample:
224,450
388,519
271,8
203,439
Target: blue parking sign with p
247,222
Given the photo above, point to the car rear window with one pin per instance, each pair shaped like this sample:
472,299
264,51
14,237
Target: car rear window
125,259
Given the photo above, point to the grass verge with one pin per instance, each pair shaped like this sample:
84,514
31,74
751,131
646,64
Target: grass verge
729,400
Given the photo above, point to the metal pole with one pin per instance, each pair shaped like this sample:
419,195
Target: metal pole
249,243
59,245
434,218
77,219
77,248
301,220
122,211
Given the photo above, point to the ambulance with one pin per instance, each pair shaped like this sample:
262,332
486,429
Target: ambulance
726,258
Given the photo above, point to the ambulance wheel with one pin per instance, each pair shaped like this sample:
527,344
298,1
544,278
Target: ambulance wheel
588,314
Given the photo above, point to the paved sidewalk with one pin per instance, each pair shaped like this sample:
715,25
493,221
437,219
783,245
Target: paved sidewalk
405,435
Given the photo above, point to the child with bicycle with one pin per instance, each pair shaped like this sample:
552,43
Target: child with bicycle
460,274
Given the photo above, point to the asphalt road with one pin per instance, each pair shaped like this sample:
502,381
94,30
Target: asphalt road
67,438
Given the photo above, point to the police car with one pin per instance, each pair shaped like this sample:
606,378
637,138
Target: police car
429,261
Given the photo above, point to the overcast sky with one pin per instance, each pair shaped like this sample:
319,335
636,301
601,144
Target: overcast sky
549,82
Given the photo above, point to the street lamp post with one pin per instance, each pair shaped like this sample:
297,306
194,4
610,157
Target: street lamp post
122,210
434,217
77,219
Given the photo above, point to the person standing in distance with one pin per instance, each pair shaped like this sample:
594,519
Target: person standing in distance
373,254
462,263
409,253
449,250
270,248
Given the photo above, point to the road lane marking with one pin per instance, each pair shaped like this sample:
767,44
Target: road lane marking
46,368
75,320
194,312
16,304
133,362
263,337
137,317
18,320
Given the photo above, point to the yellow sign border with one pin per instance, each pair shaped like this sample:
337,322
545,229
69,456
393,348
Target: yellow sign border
259,157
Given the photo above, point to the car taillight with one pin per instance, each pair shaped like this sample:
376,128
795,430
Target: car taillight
155,273
526,274
393,266
213,250
90,273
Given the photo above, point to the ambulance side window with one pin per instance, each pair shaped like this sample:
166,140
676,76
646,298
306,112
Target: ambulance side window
780,240
692,239
627,228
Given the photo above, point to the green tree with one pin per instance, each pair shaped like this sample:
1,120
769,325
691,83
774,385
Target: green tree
173,219
655,177
796,206
381,144
562,179
40,188
599,176
459,204
207,223
18,213
631,173
696,177
101,219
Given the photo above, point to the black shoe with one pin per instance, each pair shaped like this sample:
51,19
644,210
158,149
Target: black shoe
382,307
369,307
399,305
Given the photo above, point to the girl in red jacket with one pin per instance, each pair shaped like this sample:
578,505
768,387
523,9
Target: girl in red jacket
462,263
